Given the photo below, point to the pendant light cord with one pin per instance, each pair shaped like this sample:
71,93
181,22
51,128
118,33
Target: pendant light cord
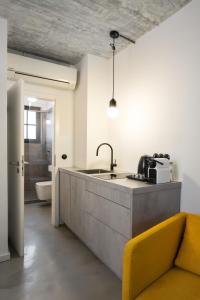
113,49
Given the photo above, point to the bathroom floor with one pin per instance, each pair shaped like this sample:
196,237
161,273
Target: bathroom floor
56,265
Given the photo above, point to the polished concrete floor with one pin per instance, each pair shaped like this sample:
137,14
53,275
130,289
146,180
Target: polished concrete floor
56,266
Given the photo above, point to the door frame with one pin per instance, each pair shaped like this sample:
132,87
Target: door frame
55,195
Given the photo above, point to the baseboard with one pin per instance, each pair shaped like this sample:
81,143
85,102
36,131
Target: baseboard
4,257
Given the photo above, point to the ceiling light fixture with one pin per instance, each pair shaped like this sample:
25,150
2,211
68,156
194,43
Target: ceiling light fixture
48,122
112,110
32,99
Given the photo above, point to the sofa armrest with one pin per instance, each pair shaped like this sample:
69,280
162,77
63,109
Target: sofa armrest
151,254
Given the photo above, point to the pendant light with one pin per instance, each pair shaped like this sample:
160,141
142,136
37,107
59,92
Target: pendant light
112,110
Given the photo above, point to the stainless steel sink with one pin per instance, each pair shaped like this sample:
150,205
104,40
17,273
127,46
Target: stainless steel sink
94,171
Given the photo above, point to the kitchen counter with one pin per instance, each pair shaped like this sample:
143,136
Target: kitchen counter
124,184
105,214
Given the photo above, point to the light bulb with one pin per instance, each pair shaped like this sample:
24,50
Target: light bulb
112,112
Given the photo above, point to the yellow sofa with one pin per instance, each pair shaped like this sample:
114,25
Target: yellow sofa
152,266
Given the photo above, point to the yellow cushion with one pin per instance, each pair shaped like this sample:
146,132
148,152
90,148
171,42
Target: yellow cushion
176,284
188,257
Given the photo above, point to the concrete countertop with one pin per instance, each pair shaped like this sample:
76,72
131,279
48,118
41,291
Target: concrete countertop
125,184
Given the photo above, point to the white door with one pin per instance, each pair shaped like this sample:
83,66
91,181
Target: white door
16,166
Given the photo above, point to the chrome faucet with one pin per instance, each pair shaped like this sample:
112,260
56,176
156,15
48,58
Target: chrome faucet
112,164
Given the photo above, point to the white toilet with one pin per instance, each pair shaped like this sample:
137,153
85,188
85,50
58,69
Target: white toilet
43,190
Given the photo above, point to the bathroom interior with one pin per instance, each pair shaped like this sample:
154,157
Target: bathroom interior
38,150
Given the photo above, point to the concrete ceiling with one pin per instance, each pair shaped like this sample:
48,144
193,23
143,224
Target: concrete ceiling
68,29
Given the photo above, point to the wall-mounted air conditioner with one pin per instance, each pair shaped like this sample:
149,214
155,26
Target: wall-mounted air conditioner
41,72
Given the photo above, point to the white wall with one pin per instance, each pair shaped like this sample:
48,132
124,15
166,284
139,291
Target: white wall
80,115
91,122
97,120
4,253
158,92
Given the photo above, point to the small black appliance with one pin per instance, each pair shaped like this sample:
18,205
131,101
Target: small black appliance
153,169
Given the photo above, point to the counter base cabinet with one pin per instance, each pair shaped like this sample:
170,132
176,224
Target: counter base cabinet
102,189
104,226
113,215
65,198
105,217
149,209
105,242
77,196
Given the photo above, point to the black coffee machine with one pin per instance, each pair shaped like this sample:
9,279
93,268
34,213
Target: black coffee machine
146,163
142,172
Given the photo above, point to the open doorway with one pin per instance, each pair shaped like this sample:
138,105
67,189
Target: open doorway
38,151
59,105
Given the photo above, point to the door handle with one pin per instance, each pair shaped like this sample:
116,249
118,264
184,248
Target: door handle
14,163
22,165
